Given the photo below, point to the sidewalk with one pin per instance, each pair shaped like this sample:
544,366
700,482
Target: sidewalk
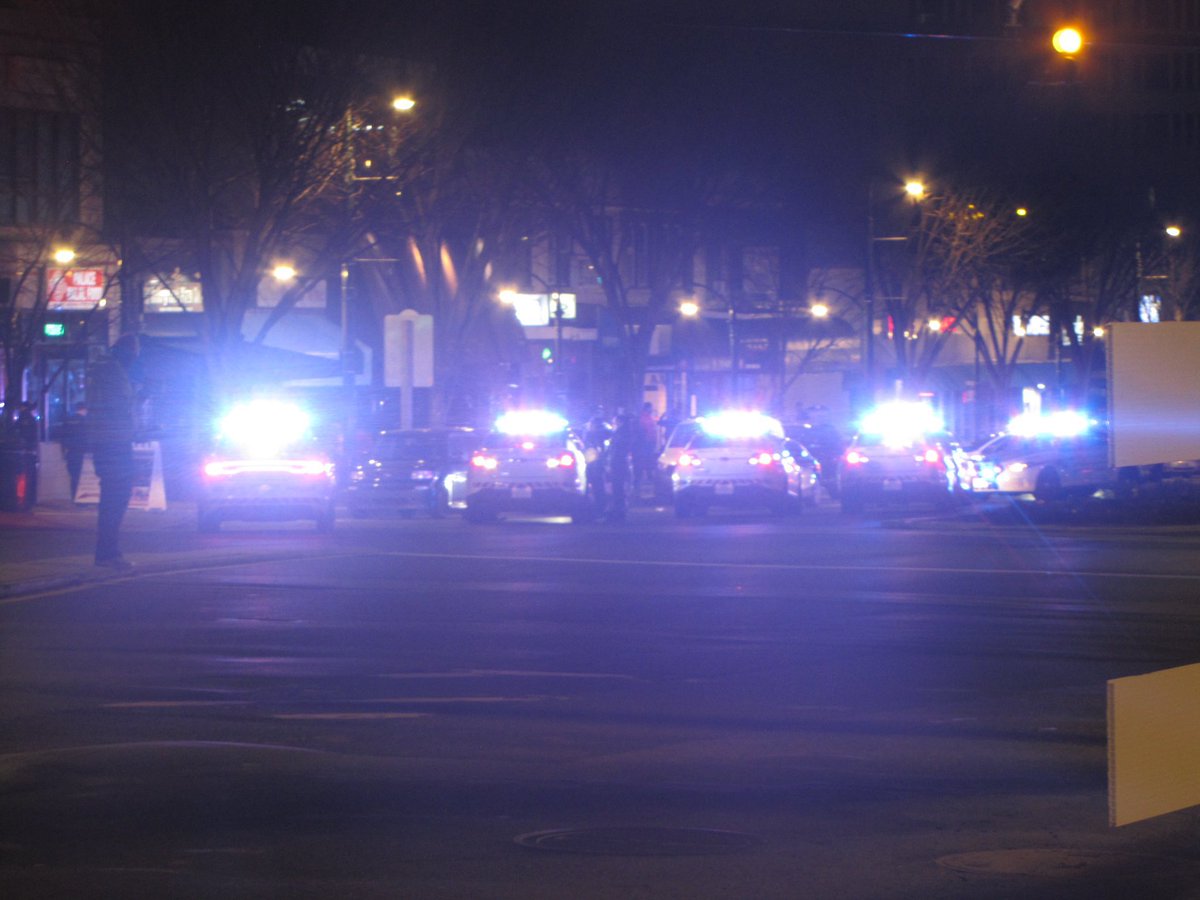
51,547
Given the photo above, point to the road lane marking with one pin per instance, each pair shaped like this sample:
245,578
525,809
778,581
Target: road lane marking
505,673
168,704
794,567
352,716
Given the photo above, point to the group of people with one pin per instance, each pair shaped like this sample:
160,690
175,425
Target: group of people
621,457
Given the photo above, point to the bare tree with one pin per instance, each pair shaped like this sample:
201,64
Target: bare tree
240,152
952,241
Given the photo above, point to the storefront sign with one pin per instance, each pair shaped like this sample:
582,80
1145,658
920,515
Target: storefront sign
74,288
175,294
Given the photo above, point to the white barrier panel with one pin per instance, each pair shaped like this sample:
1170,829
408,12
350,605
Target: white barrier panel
1153,744
149,489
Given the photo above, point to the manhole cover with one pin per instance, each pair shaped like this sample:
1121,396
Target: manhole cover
635,841
1042,863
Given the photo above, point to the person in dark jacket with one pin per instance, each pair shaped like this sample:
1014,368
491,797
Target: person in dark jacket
112,425
74,445
595,443
621,448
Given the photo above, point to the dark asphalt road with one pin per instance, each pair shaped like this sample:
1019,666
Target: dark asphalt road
735,707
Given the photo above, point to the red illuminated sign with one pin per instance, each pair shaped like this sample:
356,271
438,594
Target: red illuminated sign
74,288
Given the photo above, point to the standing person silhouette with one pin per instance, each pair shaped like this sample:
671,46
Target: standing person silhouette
112,424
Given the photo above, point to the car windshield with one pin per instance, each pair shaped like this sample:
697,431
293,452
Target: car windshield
410,446
704,441
683,434
527,442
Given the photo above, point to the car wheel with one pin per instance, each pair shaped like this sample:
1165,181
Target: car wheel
662,487
439,503
1049,486
1129,484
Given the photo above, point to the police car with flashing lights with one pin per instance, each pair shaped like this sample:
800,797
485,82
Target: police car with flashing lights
1046,458
266,463
530,463
740,459
902,455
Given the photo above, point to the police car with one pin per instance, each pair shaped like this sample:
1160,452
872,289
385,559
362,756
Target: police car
902,455
266,463
739,459
530,463
1046,458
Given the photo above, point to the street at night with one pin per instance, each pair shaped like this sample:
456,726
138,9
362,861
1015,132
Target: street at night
907,706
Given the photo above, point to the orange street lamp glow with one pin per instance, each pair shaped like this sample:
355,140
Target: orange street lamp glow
819,311
283,272
914,189
403,103
1173,231
64,255
1022,211
689,309
1067,41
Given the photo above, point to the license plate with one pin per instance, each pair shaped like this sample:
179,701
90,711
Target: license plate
893,484
522,492
723,487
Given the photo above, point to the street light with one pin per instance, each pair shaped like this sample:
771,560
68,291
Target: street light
1067,41
1173,231
63,255
284,272
915,189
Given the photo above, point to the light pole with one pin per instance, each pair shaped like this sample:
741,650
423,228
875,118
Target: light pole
915,190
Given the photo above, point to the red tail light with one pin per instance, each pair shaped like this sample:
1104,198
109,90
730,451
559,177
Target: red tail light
932,456
763,459
564,461
854,458
483,461
688,459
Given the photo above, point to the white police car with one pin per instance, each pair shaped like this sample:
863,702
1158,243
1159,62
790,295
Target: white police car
530,463
266,463
739,459
902,455
1046,458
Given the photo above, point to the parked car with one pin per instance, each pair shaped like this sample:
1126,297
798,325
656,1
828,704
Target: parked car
681,435
825,444
266,463
531,463
742,460
1046,464
422,470
901,456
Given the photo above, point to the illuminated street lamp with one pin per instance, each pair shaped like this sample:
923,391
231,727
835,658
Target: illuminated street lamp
1173,231
283,273
1067,41
63,255
819,311
915,188
403,103
689,309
